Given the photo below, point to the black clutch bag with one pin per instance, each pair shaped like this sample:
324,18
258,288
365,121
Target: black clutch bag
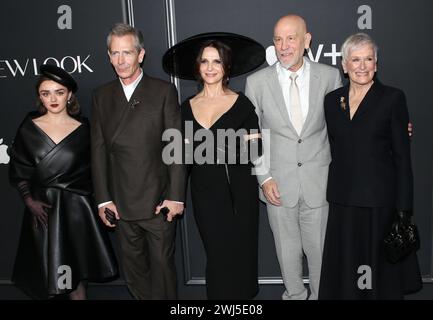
401,241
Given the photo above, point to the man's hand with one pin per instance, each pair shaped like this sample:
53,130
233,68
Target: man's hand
175,208
101,212
270,190
410,129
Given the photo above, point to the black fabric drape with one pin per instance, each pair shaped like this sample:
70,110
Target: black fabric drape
59,175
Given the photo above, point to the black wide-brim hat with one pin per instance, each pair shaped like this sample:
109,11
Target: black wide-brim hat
58,75
247,54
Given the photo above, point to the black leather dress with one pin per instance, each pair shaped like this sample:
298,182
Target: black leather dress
75,242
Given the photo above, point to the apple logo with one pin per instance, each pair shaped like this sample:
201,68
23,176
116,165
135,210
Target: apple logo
4,157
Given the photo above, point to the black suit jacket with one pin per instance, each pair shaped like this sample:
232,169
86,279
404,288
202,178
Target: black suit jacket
127,146
371,164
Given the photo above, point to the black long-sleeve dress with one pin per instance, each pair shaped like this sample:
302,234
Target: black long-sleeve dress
75,239
370,177
226,204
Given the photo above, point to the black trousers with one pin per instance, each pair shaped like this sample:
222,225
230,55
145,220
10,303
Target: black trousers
147,257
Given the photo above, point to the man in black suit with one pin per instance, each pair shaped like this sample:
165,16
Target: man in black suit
131,180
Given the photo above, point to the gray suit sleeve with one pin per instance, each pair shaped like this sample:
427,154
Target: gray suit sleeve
261,169
338,83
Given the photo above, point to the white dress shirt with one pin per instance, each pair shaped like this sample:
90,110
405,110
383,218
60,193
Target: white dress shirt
303,82
130,88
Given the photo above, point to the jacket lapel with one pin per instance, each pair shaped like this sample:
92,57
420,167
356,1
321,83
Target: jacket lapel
141,96
120,109
277,94
343,103
312,95
371,99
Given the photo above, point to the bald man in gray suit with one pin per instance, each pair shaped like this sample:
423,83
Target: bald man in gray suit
288,97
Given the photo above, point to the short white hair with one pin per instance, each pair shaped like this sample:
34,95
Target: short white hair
355,41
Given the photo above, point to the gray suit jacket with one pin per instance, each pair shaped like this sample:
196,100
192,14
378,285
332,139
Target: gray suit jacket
298,163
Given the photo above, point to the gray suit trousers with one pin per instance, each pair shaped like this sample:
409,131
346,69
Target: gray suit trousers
296,231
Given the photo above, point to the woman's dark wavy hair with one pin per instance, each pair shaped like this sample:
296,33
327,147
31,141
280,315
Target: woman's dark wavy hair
72,107
225,54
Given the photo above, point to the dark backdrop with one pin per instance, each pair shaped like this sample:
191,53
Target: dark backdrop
29,32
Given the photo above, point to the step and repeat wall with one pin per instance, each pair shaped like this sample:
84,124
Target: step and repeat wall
72,34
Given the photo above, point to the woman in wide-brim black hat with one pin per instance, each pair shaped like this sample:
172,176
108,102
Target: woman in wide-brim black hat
62,243
246,54
224,190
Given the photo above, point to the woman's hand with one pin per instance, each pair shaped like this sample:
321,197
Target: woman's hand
38,208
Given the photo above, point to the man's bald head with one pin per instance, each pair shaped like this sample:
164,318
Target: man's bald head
290,40
293,20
